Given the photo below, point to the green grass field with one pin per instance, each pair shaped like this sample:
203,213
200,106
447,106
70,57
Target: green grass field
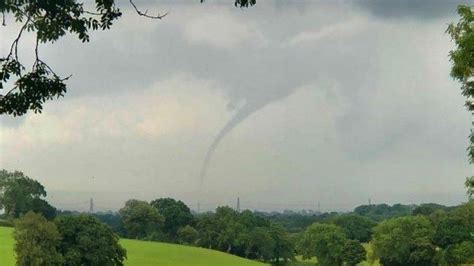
145,253
7,256
154,253
142,253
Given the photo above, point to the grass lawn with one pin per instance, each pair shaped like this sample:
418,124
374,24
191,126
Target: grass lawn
162,254
7,256
142,253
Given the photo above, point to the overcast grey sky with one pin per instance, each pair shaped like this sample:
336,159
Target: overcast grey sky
332,102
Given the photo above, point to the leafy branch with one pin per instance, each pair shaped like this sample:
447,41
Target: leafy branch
51,20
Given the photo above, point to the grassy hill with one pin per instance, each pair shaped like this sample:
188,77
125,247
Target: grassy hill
162,254
144,253
7,256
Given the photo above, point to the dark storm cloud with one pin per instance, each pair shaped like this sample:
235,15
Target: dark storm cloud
414,9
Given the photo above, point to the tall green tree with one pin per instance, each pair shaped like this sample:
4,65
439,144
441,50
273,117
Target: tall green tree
462,58
325,241
353,252
28,89
455,226
43,207
229,228
208,233
20,194
36,241
187,234
86,241
283,249
176,214
404,241
355,226
140,219
460,254
260,244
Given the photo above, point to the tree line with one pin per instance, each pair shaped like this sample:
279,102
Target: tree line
426,234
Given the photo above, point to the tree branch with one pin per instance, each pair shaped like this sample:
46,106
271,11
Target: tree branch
14,46
145,14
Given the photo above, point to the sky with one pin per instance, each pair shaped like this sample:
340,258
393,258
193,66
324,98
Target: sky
292,103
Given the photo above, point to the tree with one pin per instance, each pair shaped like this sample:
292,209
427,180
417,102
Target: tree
140,219
260,244
404,241
36,241
43,207
20,194
86,241
353,252
229,228
462,58
460,254
428,208
326,242
51,20
176,214
206,226
187,234
283,248
113,220
379,212
244,234
456,226
355,226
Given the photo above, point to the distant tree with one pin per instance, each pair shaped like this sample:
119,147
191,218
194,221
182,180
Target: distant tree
404,241
251,220
326,242
176,214
353,252
437,216
140,219
187,234
295,222
355,226
462,58
51,20
379,212
113,220
20,194
428,208
36,241
86,241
